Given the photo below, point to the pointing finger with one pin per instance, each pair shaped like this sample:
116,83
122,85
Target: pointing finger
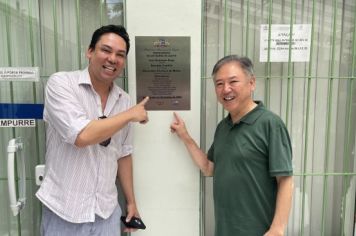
176,117
145,100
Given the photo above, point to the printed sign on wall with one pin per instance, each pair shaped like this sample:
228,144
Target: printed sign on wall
17,123
19,74
20,115
282,41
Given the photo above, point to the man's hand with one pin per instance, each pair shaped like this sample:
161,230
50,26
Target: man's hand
138,112
131,212
178,127
198,156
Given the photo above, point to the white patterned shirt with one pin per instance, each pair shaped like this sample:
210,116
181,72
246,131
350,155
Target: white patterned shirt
80,182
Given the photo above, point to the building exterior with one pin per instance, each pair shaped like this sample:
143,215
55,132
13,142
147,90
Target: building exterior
314,92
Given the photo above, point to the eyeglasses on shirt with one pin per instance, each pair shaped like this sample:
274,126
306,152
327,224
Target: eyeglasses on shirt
105,143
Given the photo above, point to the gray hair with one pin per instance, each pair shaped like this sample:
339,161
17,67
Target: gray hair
244,62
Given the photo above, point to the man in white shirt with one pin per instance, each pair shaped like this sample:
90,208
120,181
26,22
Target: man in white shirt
89,142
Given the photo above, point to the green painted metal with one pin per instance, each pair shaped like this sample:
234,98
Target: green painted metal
305,157
101,12
310,174
226,39
202,213
8,42
9,56
55,35
30,29
348,136
125,78
346,150
346,156
324,197
26,9
299,77
8,32
330,85
290,71
311,77
268,64
79,48
32,59
247,26
333,78
353,67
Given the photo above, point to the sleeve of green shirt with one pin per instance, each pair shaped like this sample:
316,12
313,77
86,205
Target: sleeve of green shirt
280,149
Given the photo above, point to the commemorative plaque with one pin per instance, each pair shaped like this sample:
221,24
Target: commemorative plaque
163,72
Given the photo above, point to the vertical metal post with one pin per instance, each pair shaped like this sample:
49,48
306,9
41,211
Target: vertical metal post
268,78
202,118
55,35
79,44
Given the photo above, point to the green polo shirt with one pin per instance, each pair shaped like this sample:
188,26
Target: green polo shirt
247,157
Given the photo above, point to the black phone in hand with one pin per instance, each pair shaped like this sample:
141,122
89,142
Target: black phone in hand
135,223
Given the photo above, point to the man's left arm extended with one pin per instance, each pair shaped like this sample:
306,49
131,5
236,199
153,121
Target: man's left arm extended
283,206
126,180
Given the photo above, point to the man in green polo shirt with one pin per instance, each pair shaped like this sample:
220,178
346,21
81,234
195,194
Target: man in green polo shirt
250,158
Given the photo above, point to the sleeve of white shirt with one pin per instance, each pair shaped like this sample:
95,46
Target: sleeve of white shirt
127,142
127,147
62,108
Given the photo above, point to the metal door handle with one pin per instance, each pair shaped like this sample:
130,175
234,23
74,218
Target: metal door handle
39,173
14,146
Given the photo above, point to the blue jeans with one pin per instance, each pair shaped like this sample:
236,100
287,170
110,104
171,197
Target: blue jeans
53,225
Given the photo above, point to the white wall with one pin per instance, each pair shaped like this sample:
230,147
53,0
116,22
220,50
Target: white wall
167,184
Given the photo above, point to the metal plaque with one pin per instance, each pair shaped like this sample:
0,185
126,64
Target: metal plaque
163,72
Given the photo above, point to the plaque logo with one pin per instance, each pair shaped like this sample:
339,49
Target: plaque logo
161,43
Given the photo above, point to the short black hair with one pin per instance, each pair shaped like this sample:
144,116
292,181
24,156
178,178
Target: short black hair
244,62
116,29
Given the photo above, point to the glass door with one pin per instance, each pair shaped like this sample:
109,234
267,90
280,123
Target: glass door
52,36
21,126
22,145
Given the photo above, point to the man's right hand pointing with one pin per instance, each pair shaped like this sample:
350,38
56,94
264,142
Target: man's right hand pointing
139,113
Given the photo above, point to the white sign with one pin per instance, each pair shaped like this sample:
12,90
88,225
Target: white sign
17,122
19,74
281,42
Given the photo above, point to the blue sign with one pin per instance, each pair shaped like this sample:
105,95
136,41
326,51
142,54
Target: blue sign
21,111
